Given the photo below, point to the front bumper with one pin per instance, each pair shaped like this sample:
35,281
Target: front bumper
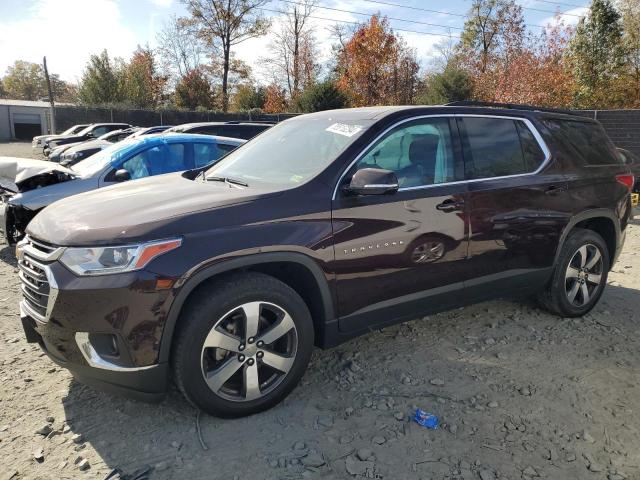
147,383
105,330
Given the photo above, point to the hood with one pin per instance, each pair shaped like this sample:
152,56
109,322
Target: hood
134,211
89,145
23,174
44,138
64,139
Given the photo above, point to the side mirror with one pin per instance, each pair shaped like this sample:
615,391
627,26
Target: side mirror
122,175
373,181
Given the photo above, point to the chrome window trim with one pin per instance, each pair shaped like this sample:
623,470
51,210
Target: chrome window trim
526,121
381,185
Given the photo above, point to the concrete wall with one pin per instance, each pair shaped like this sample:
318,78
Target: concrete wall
5,124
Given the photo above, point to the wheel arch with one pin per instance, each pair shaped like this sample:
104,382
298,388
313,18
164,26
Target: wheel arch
599,220
297,270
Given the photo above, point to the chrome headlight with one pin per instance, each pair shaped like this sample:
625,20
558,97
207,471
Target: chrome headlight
125,258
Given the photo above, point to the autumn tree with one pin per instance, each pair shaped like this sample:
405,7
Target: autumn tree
275,99
596,54
494,28
194,91
375,67
630,11
239,74
248,97
538,74
101,82
292,61
451,85
222,24
24,81
142,85
321,96
179,47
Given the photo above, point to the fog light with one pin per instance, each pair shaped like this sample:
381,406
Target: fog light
105,344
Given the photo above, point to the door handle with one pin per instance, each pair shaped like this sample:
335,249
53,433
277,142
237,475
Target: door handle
449,206
553,189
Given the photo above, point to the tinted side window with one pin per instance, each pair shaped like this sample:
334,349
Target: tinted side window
533,154
175,160
496,147
156,161
205,153
139,166
420,153
98,131
225,148
584,139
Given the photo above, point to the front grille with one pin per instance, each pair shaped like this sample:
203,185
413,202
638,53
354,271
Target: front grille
34,273
41,246
35,285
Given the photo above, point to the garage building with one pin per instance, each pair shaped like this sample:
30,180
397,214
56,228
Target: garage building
23,119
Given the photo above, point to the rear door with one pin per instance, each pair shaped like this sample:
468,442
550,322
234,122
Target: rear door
518,204
400,254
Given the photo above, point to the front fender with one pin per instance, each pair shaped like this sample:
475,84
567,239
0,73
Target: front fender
201,275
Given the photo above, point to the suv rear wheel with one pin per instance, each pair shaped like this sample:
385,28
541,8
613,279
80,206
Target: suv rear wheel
580,275
243,345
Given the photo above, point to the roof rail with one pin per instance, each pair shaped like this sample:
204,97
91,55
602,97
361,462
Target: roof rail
511,106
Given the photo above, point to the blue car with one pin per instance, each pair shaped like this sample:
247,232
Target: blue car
27,186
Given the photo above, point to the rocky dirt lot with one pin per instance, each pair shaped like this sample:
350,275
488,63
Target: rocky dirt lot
19,149
520,394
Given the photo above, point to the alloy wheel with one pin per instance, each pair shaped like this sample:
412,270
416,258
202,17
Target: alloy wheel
428,252
584,275
249,351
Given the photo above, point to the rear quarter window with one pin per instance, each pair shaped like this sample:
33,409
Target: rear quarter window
586,140
498,147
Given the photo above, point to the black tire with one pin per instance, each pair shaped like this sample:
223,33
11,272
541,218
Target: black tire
555,298
210,304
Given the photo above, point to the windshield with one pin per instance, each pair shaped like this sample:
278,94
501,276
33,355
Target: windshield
71,130
107,135
97,162
84,131
290,153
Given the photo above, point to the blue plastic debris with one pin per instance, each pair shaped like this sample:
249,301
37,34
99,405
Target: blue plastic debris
426,419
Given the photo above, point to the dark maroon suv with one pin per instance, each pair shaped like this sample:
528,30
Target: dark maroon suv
322,228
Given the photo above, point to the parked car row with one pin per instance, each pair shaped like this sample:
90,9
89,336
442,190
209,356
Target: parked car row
222,277
27,186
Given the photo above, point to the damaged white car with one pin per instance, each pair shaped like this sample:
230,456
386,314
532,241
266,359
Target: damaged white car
27,186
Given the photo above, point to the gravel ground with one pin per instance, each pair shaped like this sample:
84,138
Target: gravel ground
20,150
519,393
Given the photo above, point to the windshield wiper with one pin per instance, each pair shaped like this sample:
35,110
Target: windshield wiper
227,180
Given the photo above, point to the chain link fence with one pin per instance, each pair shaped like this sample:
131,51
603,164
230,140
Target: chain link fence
68,116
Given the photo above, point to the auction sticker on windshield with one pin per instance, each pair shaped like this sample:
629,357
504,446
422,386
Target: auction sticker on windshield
344,129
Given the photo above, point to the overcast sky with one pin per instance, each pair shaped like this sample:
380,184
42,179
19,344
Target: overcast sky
68,31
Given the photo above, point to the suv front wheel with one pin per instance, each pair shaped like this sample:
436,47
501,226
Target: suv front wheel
580,275
243,345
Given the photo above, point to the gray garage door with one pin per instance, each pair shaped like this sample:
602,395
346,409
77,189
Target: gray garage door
26,125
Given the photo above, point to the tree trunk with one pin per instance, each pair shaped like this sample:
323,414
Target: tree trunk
296,56
225,76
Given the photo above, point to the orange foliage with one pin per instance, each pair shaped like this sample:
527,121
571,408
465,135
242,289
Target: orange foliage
375,67
534,73
275,100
